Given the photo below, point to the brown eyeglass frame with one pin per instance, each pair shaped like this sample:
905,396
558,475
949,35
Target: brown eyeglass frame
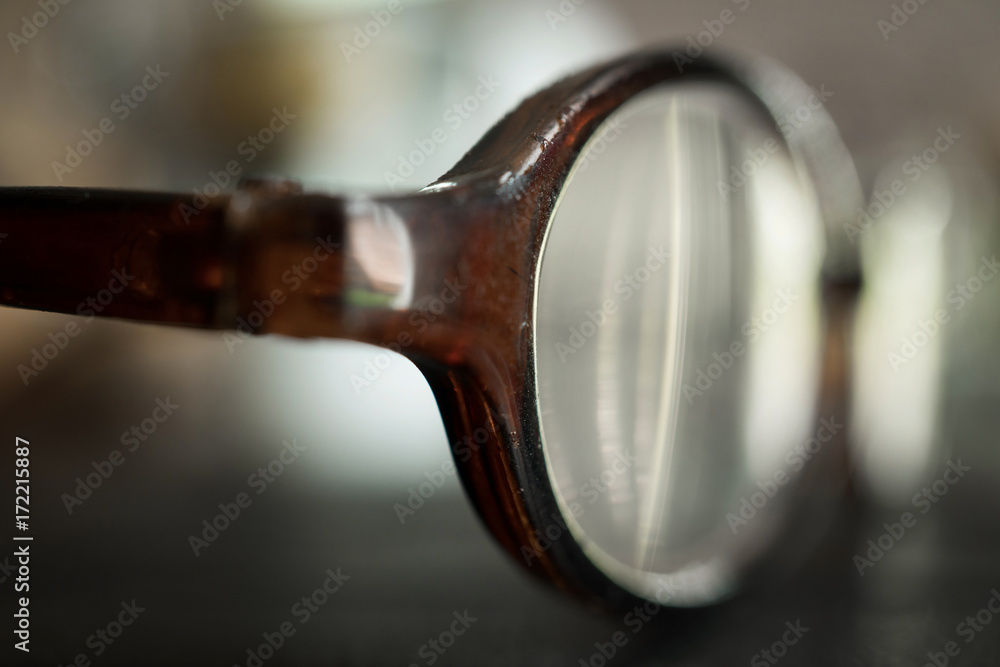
211,263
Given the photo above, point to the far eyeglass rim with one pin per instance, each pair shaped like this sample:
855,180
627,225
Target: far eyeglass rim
498,198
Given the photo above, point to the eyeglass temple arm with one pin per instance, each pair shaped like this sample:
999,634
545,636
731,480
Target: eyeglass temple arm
134,255
266,259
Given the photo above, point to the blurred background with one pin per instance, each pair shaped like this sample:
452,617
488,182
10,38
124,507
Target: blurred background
349,91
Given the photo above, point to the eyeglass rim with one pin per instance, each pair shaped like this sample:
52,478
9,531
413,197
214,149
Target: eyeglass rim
520,504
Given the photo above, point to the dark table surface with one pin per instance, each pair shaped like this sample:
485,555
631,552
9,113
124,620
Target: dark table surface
130,541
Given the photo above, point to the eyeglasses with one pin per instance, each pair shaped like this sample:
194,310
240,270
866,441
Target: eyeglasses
626,299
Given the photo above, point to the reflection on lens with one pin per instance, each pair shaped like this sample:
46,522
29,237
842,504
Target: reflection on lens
677,340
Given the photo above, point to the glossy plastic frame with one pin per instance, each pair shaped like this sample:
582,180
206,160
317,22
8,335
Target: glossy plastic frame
445,276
